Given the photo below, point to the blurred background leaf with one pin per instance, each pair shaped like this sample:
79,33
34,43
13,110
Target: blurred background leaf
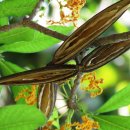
116,74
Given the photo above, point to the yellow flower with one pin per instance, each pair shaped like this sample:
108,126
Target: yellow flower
29,95
93,86
87,124
74,6
48,126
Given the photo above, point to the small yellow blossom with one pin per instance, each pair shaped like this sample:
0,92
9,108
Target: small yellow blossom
29,95
93,86
87,124
48,126
74,6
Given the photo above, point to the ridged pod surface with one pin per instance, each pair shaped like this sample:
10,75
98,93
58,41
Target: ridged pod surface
86,34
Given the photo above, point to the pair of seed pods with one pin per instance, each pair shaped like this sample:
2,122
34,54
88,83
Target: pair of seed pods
85,37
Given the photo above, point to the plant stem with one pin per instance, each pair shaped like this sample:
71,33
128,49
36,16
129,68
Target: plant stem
35,9
27,23
71,101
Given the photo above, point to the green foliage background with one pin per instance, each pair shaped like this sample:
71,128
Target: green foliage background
22,48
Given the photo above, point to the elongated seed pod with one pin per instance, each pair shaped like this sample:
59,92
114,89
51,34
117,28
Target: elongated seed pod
47,97
42,75
104,54
111,39
86,34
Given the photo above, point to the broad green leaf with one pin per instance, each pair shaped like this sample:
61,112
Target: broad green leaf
16,7
21,117
27,40
7,68
3,21
120,99
16,35
113,122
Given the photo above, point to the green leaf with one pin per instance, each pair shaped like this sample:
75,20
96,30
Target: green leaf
16,7
61,29
27,40
113,122
120,27
4,21
21,117
0,88
120,99
8,68
55,118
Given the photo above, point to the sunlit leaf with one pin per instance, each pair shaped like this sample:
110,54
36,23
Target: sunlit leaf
16,7
113,122
61,29
21,117
27,40
120,99
120,27
109,75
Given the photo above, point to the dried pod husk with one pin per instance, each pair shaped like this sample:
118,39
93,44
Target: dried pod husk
104,54
47,97
89,31
47,74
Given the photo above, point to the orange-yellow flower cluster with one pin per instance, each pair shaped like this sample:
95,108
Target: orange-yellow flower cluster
29,94
48,126
93,86
87,124
74,6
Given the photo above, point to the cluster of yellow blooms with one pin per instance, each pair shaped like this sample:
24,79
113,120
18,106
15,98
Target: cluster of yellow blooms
74,6
87,124
29,95
93,86
48,126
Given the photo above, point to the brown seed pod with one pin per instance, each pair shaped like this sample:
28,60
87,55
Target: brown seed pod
47,97
86,34
104,54
42,75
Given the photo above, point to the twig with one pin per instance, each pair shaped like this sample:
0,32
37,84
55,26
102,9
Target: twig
99,42
27,23
62,107
35,9
9,27
71,101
